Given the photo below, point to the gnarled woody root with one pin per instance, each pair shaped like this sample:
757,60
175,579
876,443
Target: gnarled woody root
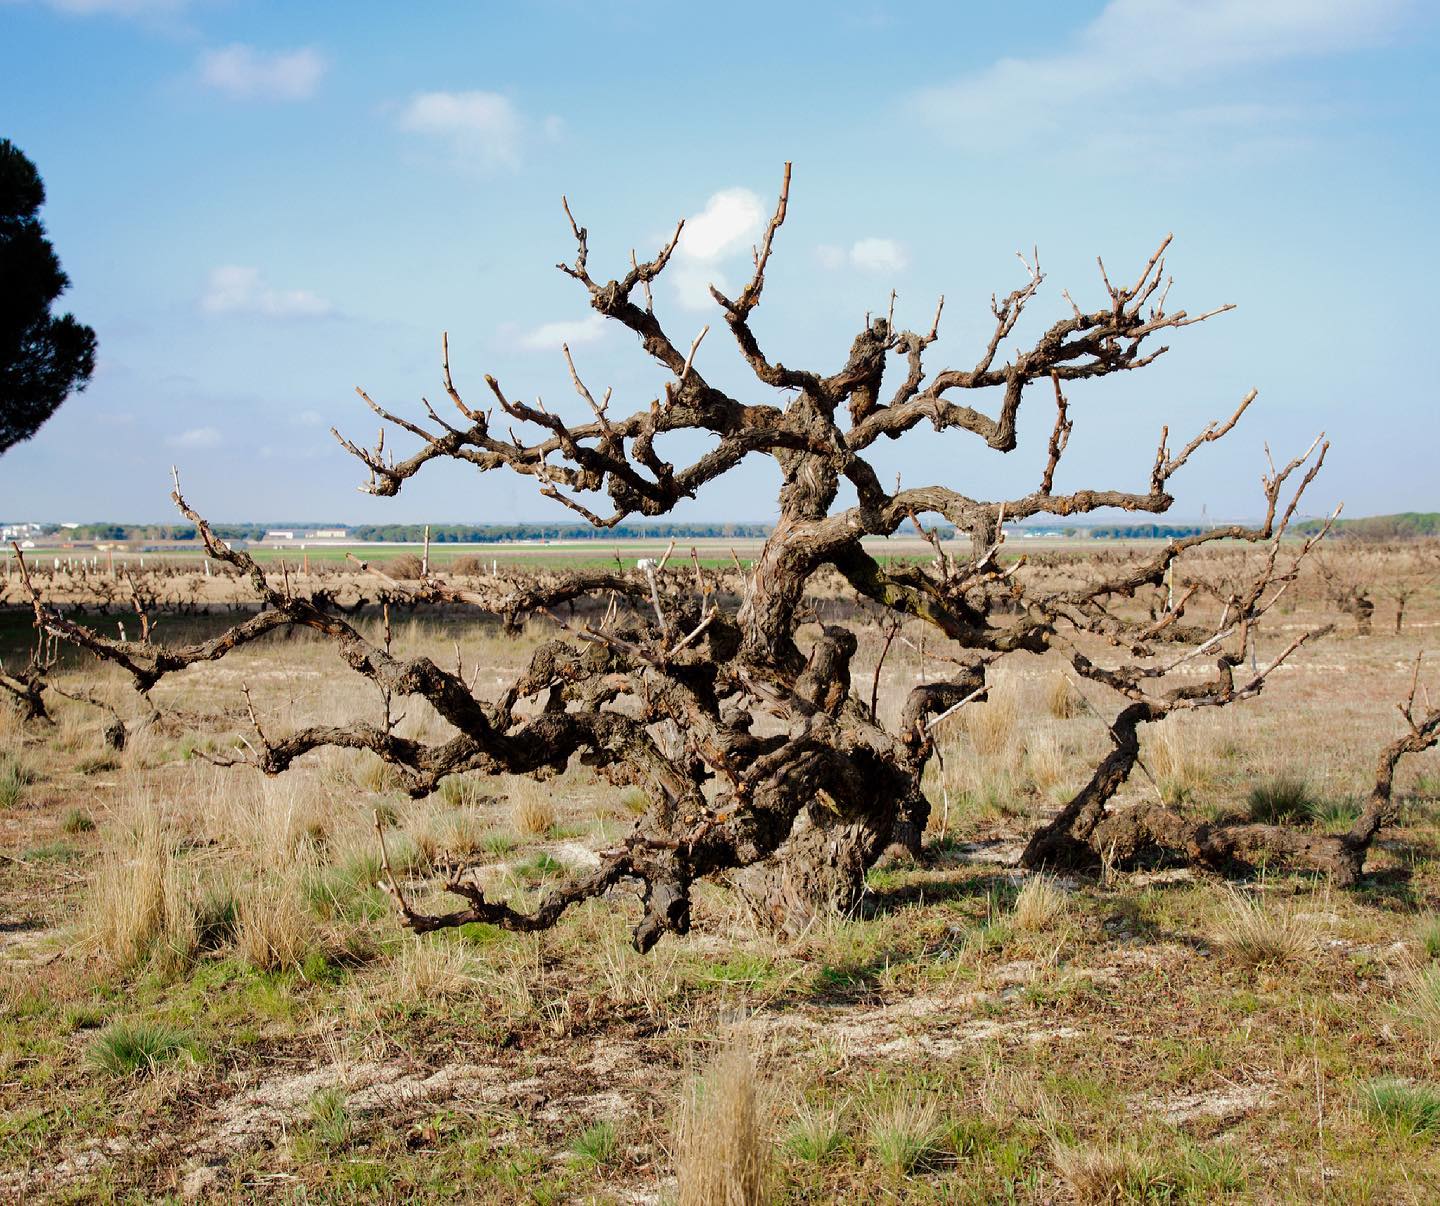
724,700
1085,833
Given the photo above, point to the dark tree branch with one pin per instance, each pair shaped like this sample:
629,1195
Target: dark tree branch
662,676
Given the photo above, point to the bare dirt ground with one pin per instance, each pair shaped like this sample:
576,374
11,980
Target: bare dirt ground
205,995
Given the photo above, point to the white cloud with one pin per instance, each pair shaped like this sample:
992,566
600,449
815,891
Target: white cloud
1129,66
244,73
234,289
479,127
730,222
196,437
869,255
551,335
729,225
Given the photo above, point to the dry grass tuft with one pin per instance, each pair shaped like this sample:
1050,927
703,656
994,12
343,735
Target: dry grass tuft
469,566
1044,762
721,1150
464,791
77,820
274,928
465,833
1181,768
375,774
138,903
277,820
993,725
426,834
966,790
531,810
12,725
1420,998
903,1133
428,970
1255,933
648,981
1061,699
180,933
125,909
1041,903
1107,1173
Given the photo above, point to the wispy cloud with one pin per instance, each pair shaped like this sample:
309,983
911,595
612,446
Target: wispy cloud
234,289
196,438
482,129
729,224
244,73
869,255
550,335
1134,68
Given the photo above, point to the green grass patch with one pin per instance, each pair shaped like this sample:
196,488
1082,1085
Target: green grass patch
596,1145
350,892
539,868
77,820
1282,799
1409,1109
904,1135
331,1126
1335,814
742,969
85,1017
817,1133
634,801
497,843
1428,933
51,852
15,777
138,1048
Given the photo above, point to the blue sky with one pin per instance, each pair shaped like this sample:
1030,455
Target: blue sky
262,205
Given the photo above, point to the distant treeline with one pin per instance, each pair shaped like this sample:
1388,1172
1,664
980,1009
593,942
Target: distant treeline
1407,525
440,533
491,533
160,531
1141,531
